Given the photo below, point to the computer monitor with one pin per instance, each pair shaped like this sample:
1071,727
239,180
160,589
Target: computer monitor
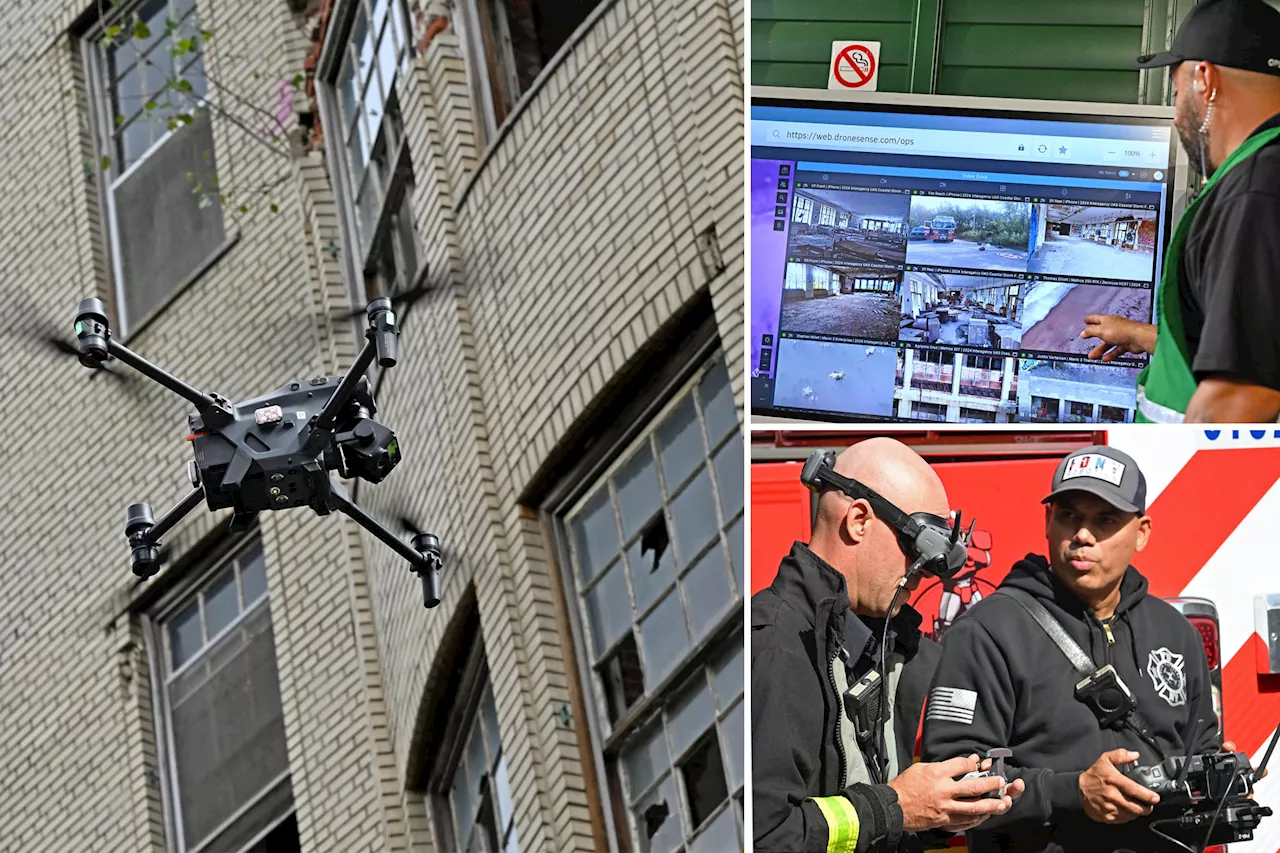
928,258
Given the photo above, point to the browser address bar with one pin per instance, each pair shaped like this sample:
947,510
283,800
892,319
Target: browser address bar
959,143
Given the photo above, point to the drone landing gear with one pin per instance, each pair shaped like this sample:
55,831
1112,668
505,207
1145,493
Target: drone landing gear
144,532
424,555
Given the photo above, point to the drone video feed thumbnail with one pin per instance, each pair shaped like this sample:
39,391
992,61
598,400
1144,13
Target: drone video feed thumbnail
964,310
1091,241
835,377
821,298
945,385
849,226
1054,391
1053,313
976,234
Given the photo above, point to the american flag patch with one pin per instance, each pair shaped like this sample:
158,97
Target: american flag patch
952,705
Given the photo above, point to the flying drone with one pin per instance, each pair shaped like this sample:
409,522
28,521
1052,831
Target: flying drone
275,452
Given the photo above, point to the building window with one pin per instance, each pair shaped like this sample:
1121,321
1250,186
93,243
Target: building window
826,215
929,411
370,156
225,764
803,210
473,806
508,43
147,83
655,548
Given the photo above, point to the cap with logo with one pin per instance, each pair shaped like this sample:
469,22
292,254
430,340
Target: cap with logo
1241,34
1104,472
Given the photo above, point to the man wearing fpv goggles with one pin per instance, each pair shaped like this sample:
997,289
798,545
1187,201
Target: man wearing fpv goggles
839,668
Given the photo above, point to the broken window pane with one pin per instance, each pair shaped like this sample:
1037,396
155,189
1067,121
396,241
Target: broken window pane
652,562
658,820
704,780
623,678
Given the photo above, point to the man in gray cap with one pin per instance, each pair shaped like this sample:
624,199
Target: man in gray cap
1003,682
1215,353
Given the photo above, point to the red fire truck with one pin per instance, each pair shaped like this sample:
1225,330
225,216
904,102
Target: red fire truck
999,478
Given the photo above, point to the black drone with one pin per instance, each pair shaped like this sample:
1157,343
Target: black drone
275,451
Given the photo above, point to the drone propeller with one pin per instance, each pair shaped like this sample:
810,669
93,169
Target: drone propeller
402,301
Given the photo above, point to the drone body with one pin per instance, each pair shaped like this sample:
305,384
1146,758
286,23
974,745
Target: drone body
275,451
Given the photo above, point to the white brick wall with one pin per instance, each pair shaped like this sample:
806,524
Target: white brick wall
556,256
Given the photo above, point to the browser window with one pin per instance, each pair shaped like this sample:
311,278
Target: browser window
938,264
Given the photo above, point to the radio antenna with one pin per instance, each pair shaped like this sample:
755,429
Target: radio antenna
1262,768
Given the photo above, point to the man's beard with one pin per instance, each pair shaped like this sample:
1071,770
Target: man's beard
1194,142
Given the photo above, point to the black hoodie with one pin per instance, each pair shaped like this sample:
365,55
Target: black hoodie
1020,688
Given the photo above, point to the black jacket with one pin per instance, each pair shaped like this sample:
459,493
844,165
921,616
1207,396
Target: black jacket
1021,691
796,628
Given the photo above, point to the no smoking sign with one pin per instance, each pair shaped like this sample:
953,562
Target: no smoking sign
854,65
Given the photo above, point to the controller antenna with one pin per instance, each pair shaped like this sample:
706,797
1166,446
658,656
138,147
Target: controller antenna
1262,768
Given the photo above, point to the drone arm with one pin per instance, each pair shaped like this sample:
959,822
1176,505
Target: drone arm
94,343
122,353
381,343
426,562
179,511
321,430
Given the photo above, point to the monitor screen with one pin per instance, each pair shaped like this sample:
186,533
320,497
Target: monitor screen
937,262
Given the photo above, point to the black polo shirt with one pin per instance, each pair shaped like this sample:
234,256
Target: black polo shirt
1230,273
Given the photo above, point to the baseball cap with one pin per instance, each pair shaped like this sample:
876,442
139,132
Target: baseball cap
1242,34
1105,472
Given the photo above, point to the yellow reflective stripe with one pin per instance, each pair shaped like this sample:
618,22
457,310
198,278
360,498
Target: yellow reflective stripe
842,823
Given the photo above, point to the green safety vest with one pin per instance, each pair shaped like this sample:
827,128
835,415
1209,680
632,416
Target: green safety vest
1166,384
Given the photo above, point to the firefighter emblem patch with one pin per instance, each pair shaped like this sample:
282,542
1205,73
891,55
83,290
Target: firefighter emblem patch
1168,675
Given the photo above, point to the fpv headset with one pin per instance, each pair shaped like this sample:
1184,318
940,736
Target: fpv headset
935,545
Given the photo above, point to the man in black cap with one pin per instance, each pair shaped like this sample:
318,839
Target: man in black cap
1215,350
1003,682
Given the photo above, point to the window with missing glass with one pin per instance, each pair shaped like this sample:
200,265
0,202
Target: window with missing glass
508,44
474,809
369,52
149,88
803,210
224,760
655,549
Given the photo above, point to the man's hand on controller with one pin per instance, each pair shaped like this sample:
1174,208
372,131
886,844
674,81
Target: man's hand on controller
931,798
1111,797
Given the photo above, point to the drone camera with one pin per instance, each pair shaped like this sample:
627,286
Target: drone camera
369,450
92,332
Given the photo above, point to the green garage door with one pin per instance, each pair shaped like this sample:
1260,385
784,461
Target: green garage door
1065,50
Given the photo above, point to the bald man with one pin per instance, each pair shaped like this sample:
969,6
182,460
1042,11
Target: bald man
814,632
1215,352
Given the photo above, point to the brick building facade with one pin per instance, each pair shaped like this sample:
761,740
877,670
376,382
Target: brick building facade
561,186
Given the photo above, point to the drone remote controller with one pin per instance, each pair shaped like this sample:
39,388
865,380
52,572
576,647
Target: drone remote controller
997,756
275,451
1213,790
